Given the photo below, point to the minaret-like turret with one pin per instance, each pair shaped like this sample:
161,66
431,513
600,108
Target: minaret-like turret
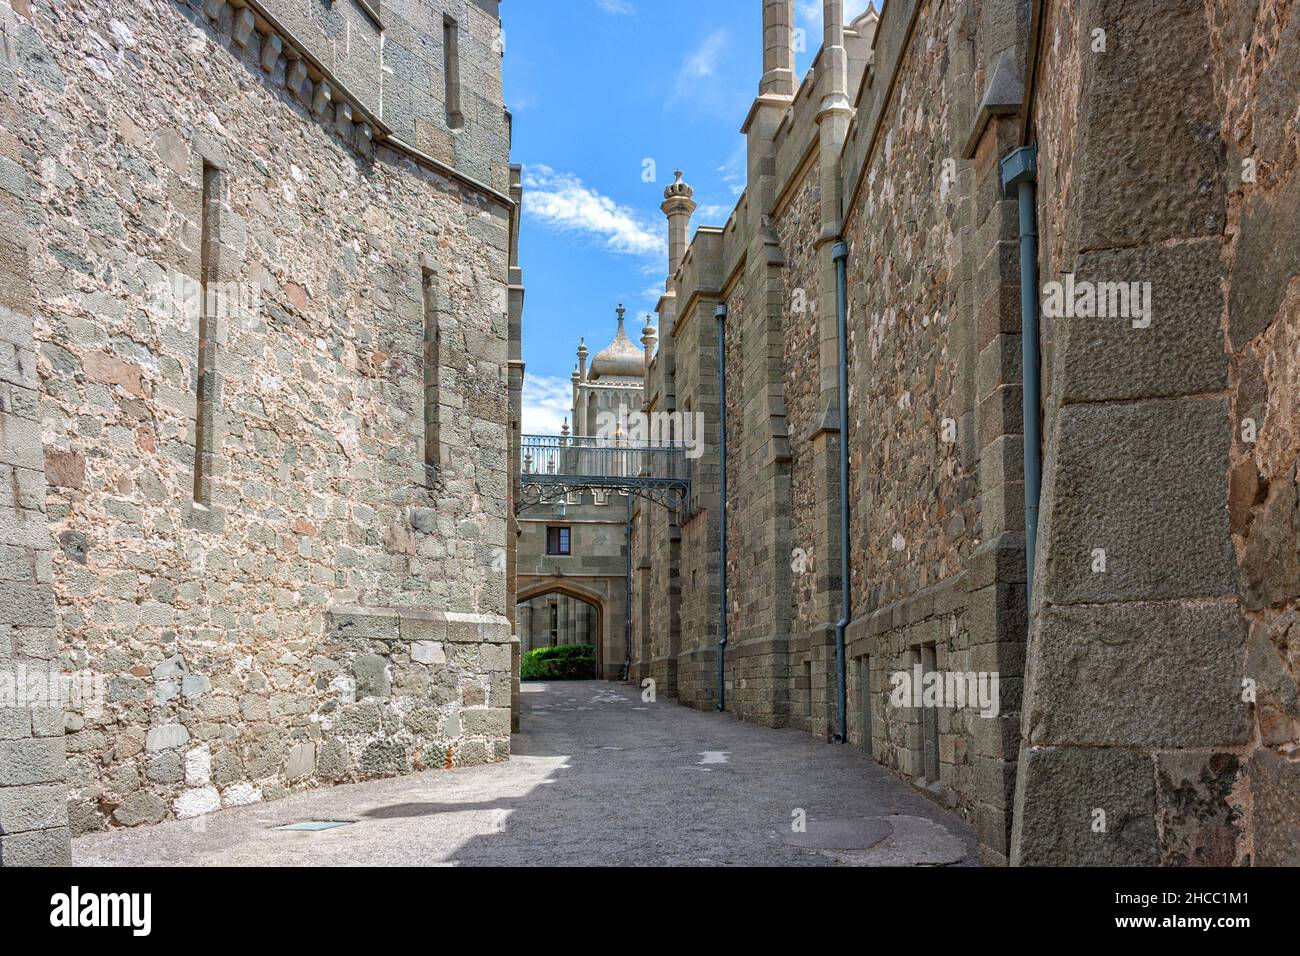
648,346
678,207
576,381
582,360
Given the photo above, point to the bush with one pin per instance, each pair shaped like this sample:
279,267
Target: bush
563,662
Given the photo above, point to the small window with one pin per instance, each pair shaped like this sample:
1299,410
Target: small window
451,72
557,540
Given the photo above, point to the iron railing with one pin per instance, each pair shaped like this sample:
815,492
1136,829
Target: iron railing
551,466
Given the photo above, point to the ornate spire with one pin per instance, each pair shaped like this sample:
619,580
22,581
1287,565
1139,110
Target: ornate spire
677,188
648,340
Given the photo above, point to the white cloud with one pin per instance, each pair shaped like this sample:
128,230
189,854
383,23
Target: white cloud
618,8
714,214
563,202
700,64
547,402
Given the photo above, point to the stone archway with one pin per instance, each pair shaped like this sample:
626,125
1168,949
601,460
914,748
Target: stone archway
597,601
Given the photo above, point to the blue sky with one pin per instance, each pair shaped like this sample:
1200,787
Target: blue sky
600,90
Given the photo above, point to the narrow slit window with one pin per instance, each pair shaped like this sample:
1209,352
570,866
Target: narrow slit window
451,71
205,380
865,677
431,359
929,720
808,689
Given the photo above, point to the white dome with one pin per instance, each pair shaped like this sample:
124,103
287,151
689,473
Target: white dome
621,358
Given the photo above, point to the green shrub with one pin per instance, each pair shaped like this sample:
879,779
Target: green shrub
563,662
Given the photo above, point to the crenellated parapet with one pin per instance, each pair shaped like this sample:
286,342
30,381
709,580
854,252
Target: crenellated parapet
285,57
354,71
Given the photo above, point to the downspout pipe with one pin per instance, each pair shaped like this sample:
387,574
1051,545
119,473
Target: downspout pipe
840,255
1019,180
627,622
720,313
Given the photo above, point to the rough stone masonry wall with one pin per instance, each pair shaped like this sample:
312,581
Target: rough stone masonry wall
33,795
334,614
914,509
798,226
1139,679
697,384
1255,92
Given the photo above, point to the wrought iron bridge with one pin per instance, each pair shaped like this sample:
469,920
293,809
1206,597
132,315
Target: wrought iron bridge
554,466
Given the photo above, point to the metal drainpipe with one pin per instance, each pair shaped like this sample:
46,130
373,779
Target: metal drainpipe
1019,174
721,314
840,254
627,624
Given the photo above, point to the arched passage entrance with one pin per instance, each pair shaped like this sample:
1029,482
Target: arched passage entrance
550,612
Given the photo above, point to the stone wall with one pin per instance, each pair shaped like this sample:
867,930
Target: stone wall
1255,95
321,606
33,795
1196,512
595,571
1157,681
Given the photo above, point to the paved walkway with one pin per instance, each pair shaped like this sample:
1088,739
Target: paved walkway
598,778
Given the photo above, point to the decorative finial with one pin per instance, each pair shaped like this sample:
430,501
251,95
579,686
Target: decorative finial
678,188
582,346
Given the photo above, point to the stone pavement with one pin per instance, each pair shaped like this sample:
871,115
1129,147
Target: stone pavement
598,778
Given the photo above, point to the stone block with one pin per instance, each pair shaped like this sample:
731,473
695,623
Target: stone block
371,673
1181,353
1268,257
1169,182
37,848
1275,791
28,606
33,808
140,808
302,761
1059,791
197,802
428,652
486,721
364,625
33,760
166,737
1155,504
1165,674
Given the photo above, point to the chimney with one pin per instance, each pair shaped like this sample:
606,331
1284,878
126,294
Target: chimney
677,206
778,48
